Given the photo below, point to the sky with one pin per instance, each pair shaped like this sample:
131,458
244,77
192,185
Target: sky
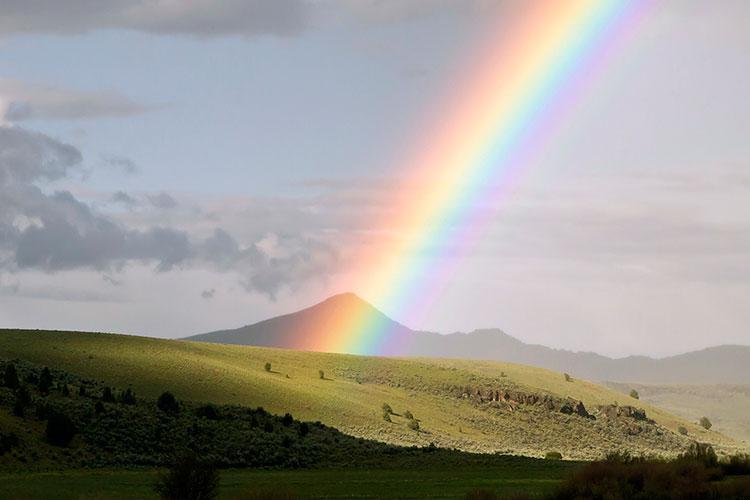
170,168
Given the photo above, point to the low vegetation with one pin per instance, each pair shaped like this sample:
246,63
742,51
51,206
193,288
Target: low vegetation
459,404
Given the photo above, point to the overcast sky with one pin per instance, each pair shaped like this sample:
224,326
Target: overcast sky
171,168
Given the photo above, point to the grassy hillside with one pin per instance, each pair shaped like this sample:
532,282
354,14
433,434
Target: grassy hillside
441,394
727,406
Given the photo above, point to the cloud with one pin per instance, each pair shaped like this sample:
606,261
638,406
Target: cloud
23,101
121,164
203,18
123,198
55,231
163,201
208,294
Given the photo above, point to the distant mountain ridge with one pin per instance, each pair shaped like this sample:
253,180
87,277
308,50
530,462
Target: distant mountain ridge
726,364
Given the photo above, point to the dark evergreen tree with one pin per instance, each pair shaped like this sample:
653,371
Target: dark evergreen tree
60,430
107,395
128,397
45,381
10,377
168,403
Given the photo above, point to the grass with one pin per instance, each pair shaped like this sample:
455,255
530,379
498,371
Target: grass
518,475
726,405
355,387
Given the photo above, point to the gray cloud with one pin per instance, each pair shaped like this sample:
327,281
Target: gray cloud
196,18
162,200
123,198
23,101
56,231
121,163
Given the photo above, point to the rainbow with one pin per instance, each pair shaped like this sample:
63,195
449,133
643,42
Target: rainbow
522,86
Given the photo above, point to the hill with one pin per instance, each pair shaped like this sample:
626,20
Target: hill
726,405
715,365
468,405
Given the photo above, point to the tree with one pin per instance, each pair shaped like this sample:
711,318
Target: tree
553,455
287,420
387,408
304,429
10,377
321,374
128,397
82,390
408,415
568,378
168,403
682,430
268,367
107,395
705,423
413,425
634,394
45,381
189,478
23,400
387,416
208,411
65,390
60,430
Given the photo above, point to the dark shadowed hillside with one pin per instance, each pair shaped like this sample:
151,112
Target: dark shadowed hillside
714,365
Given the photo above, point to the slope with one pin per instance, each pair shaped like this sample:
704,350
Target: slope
473,406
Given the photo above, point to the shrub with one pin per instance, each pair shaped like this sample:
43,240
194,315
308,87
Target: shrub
268,426
168,403
682,430
387,408
568,378
7,442
65,391
413,425
207,411
128,397
10,377
634,394
736,465
387,416
107,395
23,400
304,429
409,415
82,390
702,453
287,420
45,381
188,479
705,423
553,455
321,374
60,430
268,367
640,480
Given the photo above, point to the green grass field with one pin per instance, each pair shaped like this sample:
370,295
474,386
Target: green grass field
519,475
354,388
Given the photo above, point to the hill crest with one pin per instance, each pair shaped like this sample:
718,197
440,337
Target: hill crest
304,329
